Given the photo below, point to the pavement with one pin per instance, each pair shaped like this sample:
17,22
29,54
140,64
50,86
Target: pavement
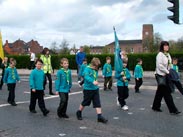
26,72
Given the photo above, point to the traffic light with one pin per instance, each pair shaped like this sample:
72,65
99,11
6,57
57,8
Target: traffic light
175,10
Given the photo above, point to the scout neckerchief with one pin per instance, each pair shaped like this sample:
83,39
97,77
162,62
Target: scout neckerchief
94,73
12,72
67,74
124,71
108,68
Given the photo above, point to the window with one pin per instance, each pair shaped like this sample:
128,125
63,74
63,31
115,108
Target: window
131,50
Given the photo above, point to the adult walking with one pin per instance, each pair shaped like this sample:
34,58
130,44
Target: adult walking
4,65
163,64
32,60
80,56
47,68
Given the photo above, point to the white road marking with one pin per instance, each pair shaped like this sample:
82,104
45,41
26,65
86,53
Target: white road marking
130,113
26,92
115,118
83,127
142,87
62,134
142,109
50,97
79,92
177,97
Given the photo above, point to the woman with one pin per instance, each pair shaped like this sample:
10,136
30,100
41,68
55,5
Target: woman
47,68
163,64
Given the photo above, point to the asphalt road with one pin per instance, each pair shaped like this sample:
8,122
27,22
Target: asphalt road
139,121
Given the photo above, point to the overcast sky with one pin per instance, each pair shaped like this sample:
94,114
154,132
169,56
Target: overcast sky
84,22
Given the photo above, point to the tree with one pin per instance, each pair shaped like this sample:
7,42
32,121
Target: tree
64,47
54,47
157,40
180,44
148,45
86,49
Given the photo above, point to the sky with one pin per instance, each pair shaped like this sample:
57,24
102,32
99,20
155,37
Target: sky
85,22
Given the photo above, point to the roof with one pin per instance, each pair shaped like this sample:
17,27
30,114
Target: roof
127,42
96,47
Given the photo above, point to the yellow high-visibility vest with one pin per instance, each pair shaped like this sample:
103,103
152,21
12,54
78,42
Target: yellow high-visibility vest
46,63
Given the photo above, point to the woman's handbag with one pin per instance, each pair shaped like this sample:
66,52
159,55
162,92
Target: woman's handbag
161,80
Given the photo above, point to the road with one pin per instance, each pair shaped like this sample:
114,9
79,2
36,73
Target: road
139,121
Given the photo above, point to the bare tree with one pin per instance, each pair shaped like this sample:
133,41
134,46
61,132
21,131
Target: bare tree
54,47
64,47
157,39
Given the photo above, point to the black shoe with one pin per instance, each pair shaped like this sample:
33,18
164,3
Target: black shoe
78,115
110,89
51,93
175,113
105,89
9,102
13,104
157,109
33,111
64,116
45,112
102,120
0,88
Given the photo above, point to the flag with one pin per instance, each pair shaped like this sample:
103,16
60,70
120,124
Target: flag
1,48
118,63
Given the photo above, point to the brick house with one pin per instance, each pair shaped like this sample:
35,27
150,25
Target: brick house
96,49
19,47
130,46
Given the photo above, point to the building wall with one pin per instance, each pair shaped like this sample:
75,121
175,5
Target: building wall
133,48
97,50
147,31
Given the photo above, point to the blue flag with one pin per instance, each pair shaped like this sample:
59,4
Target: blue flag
118,63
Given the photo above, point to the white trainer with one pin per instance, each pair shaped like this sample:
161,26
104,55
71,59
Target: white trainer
125,107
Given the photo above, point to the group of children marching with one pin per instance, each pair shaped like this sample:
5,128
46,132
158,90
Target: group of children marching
63,84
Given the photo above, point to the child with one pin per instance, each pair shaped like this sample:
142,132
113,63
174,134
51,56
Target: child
37,88
138,74
91,91
107,74
4,65
81,71
177,82
10,77
174,65
63,84
122,86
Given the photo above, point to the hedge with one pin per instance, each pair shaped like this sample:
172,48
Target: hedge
149,60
